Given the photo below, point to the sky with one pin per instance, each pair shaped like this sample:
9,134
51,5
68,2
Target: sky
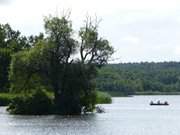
139,30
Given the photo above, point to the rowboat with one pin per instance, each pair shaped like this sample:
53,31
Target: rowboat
159,103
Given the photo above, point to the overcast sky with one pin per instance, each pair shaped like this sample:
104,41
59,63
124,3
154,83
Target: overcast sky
139,30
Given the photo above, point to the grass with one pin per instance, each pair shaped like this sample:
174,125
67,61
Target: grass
103,98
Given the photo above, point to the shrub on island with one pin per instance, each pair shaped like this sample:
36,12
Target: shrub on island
5,98
103,98
37,103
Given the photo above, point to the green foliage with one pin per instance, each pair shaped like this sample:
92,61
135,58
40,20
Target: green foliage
93,49
131,78
36,103
10,43
51,64
109,80
25,68
5,58
6,98
103,98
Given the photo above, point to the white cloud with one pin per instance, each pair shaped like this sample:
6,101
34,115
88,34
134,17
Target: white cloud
4,2
177,50
139,30
130,40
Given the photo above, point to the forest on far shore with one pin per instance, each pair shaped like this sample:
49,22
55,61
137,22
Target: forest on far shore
140,78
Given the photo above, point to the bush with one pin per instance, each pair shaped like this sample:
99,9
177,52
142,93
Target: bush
5,98
103,98
36,103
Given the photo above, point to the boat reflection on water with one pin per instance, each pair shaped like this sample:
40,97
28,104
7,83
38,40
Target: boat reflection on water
159,103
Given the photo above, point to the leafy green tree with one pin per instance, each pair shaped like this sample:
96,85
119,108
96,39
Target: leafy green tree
52,63
10,42
5,57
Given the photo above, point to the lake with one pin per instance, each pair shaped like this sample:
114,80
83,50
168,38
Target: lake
125,116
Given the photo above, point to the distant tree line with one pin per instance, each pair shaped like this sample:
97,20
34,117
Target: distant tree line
130,78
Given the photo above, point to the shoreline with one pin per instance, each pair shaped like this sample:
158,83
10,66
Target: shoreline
156,93
117,94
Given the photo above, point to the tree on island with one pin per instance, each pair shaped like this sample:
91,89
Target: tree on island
63,64
11,42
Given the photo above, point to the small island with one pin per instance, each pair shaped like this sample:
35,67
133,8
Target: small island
43,73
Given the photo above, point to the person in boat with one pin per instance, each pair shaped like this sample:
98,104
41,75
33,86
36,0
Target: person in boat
159,103
166,103
151,102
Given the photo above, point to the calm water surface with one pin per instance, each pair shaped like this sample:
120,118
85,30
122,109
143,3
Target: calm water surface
125,116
